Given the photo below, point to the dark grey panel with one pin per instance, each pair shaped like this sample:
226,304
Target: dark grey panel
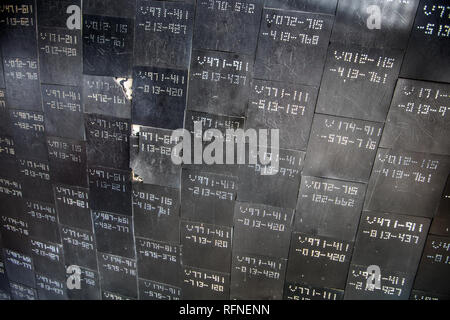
419,117
7,150
113,233
19,268
219,82
153,164
156,212
22,83
21,292
117,274
163,34
270,185
107,141
208,197
72,205
395,285
159,97
158,261
60,58
106,96
428,50
67,161
200,284
218,122
36,179
292,46
63,111
256,277
18,24
151,290
48,259
329,208
227,26
433,273
42,220
358,82
406,182
294,291
49,288
107,45
390,241
28,132
206,246
262,230
341,148
110,190
318,261
323,6
374,23
79,247
283,106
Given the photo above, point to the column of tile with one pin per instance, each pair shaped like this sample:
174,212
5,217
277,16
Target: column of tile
108,40
22,129
163,46
399,200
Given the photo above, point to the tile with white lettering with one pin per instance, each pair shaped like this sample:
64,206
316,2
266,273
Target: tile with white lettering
37,183
283,106
433,272
318,261
15,233
208,197
107,96
118,274
390,241
110,190
42,220
418,119
227,26
156,212
49,288
107,45
219,82
67,159
113,233
158,261
358,82
89,286
19,268
72,205
406,182
163,33
48,259
159,97
18,24
262,230
292,46
200,284
60,53
107,141
428,45
79,247
342,148
329,208
63,111
21,292
255,277
206,246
